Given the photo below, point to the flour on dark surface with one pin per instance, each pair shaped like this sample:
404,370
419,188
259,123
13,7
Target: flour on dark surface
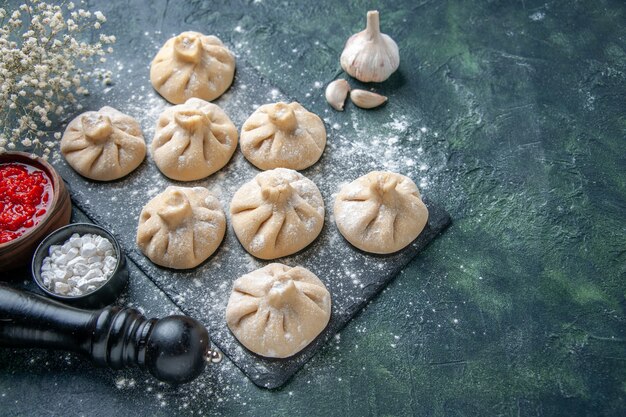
351,276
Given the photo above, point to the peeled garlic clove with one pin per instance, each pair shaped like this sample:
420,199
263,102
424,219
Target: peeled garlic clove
370,56
336,93
366,99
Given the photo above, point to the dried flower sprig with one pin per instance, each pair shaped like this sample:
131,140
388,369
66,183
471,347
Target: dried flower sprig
43,68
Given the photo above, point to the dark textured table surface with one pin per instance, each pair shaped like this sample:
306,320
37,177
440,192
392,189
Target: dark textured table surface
515,113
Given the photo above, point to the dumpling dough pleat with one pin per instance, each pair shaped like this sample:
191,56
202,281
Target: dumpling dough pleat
281,135
381,212
193,140
103,145
277,214
276,311
192,65
181,227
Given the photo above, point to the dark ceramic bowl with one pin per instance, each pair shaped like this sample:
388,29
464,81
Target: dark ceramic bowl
101,296
18,252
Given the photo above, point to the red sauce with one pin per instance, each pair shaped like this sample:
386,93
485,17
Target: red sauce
25,197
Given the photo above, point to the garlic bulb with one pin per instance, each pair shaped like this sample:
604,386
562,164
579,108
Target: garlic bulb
336,93
370,56
366,99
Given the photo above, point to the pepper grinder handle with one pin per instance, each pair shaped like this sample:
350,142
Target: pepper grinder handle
174,349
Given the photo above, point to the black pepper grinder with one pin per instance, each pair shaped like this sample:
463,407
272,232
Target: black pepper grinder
174,349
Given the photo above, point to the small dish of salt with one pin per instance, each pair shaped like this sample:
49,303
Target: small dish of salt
81,264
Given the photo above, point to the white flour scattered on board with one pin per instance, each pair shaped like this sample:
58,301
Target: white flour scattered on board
352,150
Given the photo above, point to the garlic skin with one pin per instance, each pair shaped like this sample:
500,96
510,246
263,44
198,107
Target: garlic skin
336,93
370,56
366,99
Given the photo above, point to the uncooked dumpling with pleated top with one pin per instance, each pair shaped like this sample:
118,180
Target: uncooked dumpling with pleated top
277,310
278,213
281,135
380,212
192,65
181,227
193,140
103,145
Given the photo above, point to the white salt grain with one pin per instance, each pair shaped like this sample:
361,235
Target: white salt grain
79,265
88,250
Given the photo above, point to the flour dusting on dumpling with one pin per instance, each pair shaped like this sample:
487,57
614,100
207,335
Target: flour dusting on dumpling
277,310
181,227
192,65
281,135
103,145
380,212
277,214
193,140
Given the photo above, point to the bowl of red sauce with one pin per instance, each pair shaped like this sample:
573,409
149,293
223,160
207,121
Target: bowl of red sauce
33,202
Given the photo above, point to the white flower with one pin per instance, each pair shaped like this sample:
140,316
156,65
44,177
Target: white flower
39,74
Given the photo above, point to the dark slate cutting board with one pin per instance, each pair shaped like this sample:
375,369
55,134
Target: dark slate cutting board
352,277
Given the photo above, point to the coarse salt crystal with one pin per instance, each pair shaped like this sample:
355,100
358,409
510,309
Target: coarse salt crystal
61,288
81,264
88,250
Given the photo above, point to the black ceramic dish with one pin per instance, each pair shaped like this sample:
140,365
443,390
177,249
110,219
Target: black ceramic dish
101,296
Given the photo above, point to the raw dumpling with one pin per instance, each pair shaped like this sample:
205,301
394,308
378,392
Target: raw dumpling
276,311
278,213
281,135
192,65
381,212
193,140
103,145
181,227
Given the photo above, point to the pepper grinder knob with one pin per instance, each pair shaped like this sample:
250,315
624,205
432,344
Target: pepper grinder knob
173,349
177,349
